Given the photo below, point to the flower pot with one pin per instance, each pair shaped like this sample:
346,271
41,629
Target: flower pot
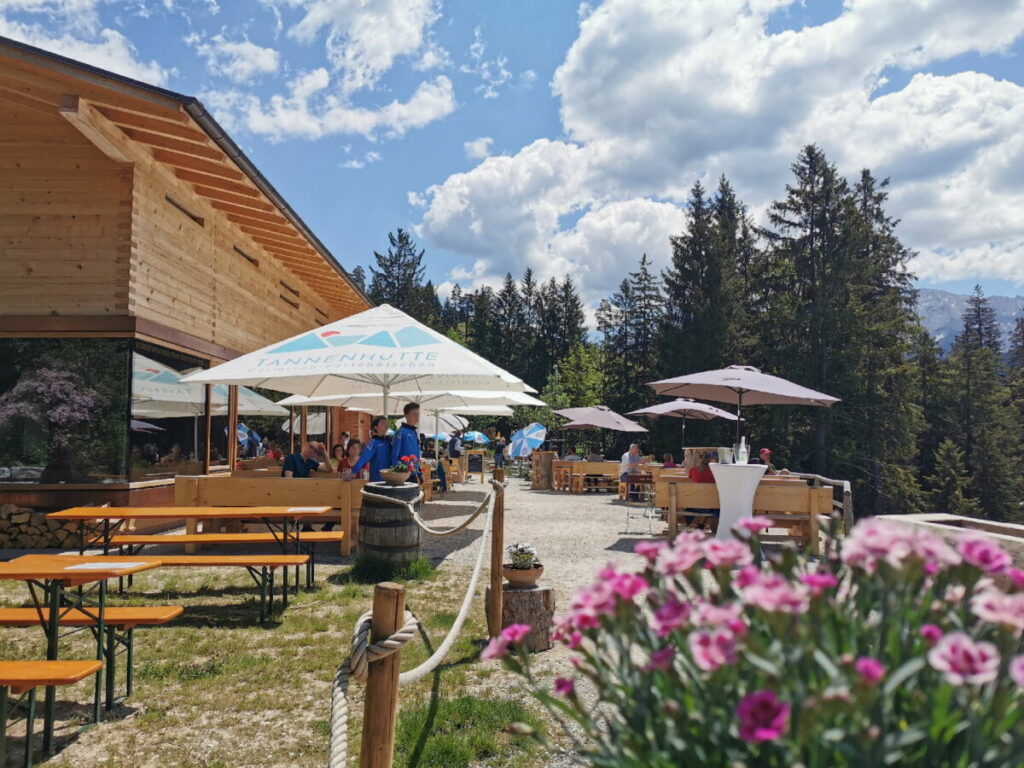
394,478
522,577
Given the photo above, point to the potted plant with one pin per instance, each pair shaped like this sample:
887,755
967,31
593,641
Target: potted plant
399,473
525,568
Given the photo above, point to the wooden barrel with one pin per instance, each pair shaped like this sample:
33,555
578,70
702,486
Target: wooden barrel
387,531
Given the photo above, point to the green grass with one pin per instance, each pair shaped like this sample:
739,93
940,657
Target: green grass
456,733
371,570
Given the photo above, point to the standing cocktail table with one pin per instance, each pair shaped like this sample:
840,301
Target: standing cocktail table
736,485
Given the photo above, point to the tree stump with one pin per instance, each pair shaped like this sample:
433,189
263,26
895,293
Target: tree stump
542,480
530,605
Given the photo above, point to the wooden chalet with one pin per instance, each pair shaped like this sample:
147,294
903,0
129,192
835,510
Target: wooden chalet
132,228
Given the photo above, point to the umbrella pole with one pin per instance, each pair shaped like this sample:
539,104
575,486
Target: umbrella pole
437,440
739,410
387,391
684,433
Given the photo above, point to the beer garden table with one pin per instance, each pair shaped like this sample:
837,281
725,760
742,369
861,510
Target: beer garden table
49,578
282,522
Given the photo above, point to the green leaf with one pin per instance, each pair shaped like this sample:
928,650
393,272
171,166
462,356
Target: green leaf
907,670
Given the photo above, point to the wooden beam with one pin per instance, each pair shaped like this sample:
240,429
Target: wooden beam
282,229
179,145
25,100
288,248
125,118
195,177
94,126
250,213
241,201
295,243
181,160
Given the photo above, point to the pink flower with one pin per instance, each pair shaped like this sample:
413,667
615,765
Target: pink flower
997,607
649,549
936,554
985,554
712,649
872,540
564,686
606,573
1017,670
870,670
679,558
746,576
662,659
773,593
762,717
1016,576
711,615
962,660
669,616
628,585
819,582
754,525
514,633
495,649
931,633
573,640
727,553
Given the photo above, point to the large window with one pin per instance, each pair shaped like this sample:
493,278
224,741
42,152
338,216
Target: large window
64,410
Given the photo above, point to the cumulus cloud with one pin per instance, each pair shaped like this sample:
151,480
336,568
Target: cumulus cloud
83,37
311,111
359,163
655,94
493,73
241,60
478,149
364,37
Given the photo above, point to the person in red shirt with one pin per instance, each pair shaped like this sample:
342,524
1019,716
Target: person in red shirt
701,473
667,462
352,451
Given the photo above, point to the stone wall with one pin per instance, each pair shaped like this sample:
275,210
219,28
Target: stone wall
24,528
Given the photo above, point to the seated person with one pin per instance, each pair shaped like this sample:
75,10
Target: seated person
352,451
765,455
668,462
701,473
594,455
630,465
312,458
571,456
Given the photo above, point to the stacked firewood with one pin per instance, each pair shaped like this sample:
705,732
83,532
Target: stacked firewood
24,528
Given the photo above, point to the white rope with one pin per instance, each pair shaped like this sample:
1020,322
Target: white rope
363,652
419,520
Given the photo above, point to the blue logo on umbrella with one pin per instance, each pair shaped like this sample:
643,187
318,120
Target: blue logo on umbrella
410,336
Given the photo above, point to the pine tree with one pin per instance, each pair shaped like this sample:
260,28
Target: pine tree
358,276
510,322
949,486
397,279
981,330
1015,351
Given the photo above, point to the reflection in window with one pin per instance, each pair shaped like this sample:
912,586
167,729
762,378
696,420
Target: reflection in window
63,410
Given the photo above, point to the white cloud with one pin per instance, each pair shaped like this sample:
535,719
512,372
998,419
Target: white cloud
493,73
240,60
360,163
657,93
434,56
364,37
104,48
478,149
312,111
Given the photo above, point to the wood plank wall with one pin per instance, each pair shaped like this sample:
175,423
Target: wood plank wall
65,219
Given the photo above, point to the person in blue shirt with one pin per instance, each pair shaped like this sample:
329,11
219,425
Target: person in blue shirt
406,441
377,454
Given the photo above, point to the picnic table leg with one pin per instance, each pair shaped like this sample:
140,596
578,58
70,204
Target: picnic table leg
191,528
53,592
129,678
101,654
111,655
4,692
346,528
673,514
30,721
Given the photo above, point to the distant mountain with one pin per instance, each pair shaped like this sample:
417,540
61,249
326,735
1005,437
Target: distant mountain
941,313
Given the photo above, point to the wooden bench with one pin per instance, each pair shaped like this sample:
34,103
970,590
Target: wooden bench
20,677
790,504
596,475
260,567
135,542
120,623
222,491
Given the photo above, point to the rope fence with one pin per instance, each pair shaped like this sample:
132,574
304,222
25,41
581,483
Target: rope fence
364,651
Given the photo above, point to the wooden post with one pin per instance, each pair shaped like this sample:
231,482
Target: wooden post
847,508
380,711
232,435
497,560
208,422
304,427
291,430
499,474
673,513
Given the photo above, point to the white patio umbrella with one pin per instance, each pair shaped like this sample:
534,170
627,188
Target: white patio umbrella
739,384
683,408
377,351
158,392
316,424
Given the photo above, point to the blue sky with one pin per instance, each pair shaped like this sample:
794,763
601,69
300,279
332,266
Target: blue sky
561,136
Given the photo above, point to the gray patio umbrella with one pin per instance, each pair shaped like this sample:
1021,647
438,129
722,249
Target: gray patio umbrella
684,408
598,417
739,384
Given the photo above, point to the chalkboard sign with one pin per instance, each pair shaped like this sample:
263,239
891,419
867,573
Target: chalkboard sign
476,462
